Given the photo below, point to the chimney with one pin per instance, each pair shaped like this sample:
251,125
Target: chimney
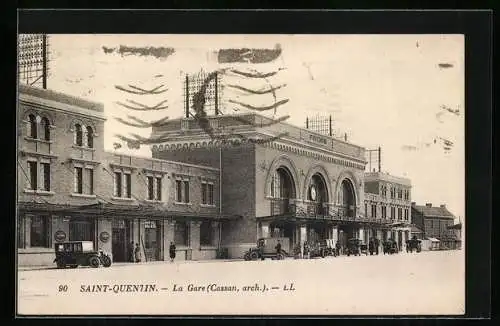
428,205
442,206
413,204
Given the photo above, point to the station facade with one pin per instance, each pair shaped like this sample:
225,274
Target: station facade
283,181
70,189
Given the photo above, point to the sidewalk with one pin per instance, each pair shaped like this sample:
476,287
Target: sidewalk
34,268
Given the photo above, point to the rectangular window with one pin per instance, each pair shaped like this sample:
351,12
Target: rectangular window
374,210
211,194
81,230
366,209
21,232
206,233
118,184
40,232
89,181
78,180
186,191
128,185
158,188
207,193
393,212
384,212
400,213
178,191
45,172
181,233
33,175
150,188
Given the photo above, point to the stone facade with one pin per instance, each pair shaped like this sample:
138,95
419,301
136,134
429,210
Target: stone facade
249,164
67,188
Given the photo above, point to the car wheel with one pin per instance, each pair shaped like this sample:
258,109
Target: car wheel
73,266
106,261
246,256
61,265
94,261
254,255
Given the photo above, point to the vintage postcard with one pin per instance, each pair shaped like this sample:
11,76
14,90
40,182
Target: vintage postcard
210,174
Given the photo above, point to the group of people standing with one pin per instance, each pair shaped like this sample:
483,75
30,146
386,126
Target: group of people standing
135,255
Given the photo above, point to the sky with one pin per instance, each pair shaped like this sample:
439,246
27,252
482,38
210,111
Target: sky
382,90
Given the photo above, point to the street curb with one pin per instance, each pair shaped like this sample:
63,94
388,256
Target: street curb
35,268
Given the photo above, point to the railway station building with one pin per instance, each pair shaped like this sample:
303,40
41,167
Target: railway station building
282,180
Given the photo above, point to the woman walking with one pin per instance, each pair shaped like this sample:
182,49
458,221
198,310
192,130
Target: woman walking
172,251
137,253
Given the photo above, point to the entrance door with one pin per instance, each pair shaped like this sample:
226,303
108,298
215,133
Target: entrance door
120,239
152,240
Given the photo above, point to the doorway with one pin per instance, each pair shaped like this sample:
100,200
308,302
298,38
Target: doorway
120,239
152,240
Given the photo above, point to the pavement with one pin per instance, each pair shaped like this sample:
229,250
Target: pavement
428,283
44,267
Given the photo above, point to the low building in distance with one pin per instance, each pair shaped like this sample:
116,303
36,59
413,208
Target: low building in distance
437,223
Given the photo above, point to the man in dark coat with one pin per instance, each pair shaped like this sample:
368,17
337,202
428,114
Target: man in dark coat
377,244
278,248
137,253
131,252
171,250
337,248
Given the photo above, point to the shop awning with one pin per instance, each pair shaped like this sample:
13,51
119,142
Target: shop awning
433,239
134,210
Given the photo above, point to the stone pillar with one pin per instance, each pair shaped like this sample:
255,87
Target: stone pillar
104,226
194,239
361,233
27,228
396,238
335,234
389,234
265,230
303,234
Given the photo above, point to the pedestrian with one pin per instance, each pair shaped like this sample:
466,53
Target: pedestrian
137,253
377,244
171,250
131,252
278,249
337,248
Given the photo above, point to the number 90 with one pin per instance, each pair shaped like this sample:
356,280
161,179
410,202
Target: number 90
63,288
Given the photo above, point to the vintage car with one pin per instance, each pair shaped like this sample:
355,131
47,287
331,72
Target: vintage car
413,244
390,247
80,253
354,247
266,248
323,248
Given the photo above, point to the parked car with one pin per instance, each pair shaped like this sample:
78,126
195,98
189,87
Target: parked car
80,253
266,248
353,247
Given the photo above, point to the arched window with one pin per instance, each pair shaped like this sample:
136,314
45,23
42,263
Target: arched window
78,135
46,128
90,137
32,132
